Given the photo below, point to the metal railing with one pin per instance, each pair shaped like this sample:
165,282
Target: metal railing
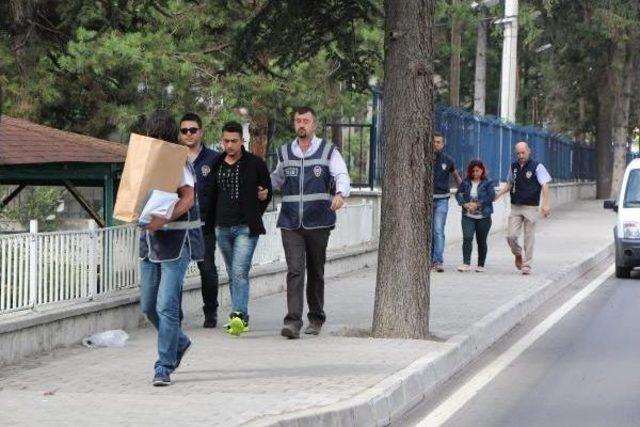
66,266
16,289
40,269
354,142
118,257
469,136
491,140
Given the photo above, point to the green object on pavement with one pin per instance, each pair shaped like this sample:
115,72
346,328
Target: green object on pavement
237,326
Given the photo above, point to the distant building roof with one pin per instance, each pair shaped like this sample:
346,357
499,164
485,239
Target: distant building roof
23,142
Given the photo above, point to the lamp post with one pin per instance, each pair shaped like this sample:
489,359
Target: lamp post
480,78
508,89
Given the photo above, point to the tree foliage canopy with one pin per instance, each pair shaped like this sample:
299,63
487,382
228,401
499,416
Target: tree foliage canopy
95,66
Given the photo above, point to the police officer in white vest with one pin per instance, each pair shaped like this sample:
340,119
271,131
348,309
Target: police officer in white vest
527,181
308,170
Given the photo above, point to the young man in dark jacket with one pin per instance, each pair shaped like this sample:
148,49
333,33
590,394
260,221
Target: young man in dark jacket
235,212
203,159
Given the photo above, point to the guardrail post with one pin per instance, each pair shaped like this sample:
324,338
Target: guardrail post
93,259
33,263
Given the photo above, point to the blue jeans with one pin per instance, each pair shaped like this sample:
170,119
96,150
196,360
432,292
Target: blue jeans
237,246
160,296
439,220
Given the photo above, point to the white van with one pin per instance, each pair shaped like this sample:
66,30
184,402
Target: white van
626,232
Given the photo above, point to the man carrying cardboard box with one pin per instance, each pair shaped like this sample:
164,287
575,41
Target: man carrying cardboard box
166,248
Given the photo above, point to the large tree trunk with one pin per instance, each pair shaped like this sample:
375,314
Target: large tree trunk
582,118
402,288
480,84
624,77
336,131
259,130
604,153
23,35
456,47
21,30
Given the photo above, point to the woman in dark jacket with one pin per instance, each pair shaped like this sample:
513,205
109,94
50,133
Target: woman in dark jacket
475,194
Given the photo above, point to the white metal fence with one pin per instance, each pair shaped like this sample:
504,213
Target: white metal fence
44,268
16,290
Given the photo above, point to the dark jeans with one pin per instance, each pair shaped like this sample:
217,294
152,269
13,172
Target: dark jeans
209,276
305,247
481,229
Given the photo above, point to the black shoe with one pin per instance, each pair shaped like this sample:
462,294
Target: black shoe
181,353
313,328
161,377
290,331
210,320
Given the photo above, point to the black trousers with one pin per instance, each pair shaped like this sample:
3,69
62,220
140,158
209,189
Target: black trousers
305,248
479,227
209,276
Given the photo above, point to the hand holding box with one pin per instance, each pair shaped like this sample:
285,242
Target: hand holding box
151,164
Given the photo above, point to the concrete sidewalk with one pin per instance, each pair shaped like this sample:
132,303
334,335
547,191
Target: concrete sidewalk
334,379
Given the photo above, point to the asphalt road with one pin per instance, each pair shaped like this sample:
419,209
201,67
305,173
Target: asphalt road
584,371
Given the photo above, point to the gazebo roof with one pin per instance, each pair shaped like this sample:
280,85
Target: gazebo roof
26,143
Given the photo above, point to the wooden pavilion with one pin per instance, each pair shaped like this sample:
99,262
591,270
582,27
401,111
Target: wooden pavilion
32,154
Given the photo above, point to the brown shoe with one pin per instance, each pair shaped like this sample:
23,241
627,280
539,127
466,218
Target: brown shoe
313,328
519,262
290,331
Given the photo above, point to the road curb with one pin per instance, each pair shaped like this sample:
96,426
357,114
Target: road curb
392,397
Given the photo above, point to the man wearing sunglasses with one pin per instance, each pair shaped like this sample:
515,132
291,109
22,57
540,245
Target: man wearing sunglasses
203,159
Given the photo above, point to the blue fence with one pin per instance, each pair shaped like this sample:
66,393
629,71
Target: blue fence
468,137
471,137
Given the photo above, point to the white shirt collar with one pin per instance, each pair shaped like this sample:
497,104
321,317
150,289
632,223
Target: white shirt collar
315,143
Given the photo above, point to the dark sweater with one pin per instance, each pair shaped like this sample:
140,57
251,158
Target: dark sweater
253,173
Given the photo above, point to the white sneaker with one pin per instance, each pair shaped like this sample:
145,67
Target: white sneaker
464,268
479,269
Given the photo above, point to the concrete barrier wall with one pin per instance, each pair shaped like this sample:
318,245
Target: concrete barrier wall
26,334
29,333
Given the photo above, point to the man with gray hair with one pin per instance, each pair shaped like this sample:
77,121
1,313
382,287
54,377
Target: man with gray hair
526,181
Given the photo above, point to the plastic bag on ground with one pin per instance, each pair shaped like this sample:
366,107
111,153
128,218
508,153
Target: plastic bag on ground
115,338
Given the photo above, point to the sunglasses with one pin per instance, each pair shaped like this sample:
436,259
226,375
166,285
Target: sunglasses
192,131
